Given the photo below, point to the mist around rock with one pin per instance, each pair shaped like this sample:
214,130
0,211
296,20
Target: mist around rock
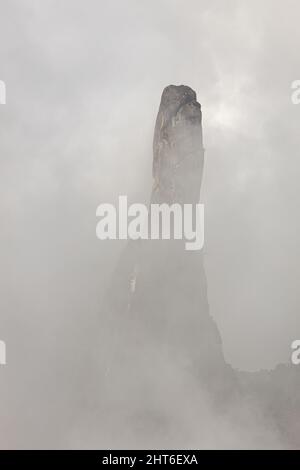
124,343
160,375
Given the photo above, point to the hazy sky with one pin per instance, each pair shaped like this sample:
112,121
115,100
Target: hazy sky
84,80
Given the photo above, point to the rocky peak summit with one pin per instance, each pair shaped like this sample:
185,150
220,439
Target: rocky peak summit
178,153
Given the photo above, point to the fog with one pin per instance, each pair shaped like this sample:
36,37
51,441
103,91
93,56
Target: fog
83,85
